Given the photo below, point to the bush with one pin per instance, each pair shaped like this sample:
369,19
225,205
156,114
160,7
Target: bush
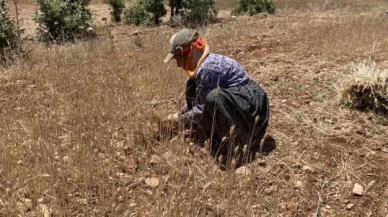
176,6
145,12
117,7
252,7
198,12
366,88
63,20
8,36
136,14
156,8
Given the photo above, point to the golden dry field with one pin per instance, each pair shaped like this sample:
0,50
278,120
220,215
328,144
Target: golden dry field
77,134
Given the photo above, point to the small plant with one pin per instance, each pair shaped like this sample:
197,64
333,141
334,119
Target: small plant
117,7
8,35
252,7
63,20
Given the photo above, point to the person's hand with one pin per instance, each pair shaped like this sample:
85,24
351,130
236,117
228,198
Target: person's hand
171,121
183,110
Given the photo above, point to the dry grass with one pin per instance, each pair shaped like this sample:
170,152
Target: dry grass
366,88
77,135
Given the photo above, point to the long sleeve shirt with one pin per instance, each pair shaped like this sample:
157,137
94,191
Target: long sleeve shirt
215,71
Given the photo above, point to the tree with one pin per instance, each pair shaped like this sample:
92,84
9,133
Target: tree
175,6
63,20
197,12
117,7
8,36
156,8
254,7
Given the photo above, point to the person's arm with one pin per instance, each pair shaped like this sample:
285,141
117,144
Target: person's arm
206,80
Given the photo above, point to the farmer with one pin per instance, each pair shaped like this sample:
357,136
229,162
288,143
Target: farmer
223,104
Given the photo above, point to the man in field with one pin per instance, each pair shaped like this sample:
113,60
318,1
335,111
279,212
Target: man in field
223,104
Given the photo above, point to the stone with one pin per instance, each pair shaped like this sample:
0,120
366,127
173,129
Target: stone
152,182
299,185
65,159
44,210
243,171
358,190
307,168
349,206
268,190
155,159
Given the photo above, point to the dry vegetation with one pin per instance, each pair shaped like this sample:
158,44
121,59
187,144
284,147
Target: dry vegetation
76,133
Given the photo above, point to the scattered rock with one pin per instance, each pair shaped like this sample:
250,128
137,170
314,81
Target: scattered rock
268,190
65,159
203,151
349,206
262,163
132,205
153,182
361,131
137,32
170,158
155,159
299,185
307,168
243,171
358,190
44,210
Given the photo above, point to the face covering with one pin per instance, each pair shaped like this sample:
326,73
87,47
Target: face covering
197,52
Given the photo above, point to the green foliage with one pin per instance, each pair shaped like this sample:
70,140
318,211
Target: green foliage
117,8
8,36
145,12
176,6
136,14
199,11
63,20
252,7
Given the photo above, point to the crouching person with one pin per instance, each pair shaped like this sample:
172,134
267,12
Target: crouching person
225,109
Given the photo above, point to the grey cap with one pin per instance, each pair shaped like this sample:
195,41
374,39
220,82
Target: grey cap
181,39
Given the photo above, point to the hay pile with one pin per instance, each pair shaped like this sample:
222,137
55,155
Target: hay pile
366,88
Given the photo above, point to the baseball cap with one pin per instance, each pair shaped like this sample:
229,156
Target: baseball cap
180,40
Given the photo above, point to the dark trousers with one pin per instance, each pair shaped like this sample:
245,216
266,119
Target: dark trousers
245,107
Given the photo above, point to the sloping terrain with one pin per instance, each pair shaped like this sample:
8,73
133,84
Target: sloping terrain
77,134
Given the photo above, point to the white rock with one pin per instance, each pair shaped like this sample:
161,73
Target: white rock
155,159
299,185
153,182
358,190
243,171
307,168
44,210
349,206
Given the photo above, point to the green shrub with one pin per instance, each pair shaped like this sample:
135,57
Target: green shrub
145,12
136,14
117,7
156,8
176,6
8,36
252,7
63,20
198,12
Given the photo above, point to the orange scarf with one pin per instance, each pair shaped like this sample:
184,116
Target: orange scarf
200,45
